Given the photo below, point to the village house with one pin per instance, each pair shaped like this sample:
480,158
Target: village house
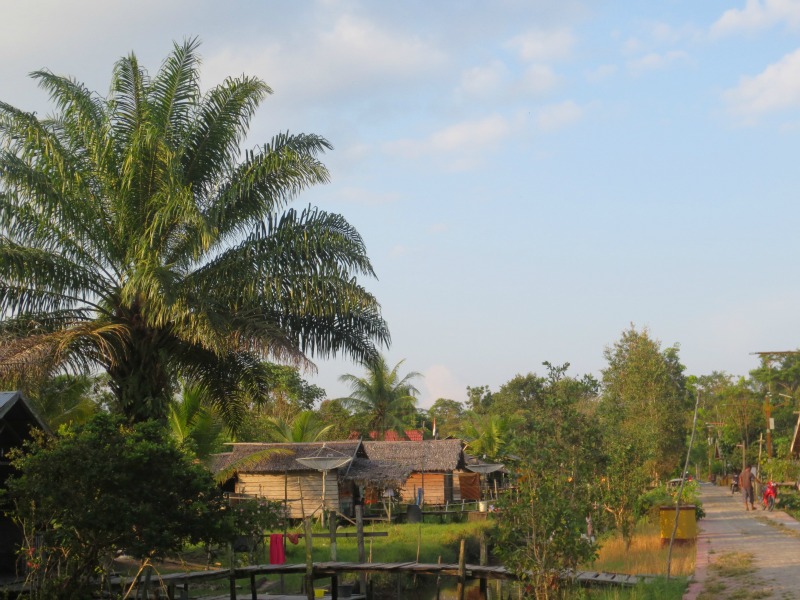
281,472
437,469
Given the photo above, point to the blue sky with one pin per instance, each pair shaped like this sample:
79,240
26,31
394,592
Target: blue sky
530,177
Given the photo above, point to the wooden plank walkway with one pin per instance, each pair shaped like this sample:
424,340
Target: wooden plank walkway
323,569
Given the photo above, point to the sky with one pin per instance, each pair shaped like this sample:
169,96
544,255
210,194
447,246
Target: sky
530,177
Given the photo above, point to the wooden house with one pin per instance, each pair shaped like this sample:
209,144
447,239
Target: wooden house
17,418
273,471
433,464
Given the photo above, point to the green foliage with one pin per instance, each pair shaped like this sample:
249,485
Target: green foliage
108,486
384,400
194,423
254,517
487,437
643,416
644,400
338,418
137,237
543,527
780,470
448,414
305,427
67,399
649,503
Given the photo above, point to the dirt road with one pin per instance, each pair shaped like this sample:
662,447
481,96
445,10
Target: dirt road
744,554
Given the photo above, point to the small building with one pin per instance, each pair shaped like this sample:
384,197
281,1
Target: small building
433,464
17,419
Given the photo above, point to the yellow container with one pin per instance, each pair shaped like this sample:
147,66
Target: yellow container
687,523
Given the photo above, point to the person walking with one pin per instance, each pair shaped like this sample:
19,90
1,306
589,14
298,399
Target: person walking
746,480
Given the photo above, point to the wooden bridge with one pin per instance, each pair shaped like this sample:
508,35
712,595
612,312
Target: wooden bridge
177,584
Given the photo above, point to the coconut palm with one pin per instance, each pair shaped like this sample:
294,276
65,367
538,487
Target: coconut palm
136,236
192,422
487,436
306,426
382,398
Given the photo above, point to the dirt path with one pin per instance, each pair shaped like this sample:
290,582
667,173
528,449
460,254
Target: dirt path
744,554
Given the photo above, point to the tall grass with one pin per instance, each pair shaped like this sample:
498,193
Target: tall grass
646,555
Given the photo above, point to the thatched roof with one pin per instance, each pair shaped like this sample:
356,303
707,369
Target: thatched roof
280,458
377,473
427,455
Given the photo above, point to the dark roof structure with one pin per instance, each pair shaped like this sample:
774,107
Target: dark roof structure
281,457
16,419
377,473
428,455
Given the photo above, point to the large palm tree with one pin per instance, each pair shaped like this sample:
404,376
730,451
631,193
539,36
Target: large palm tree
382,397
136,236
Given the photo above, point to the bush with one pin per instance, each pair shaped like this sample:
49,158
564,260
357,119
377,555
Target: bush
108,486
650,502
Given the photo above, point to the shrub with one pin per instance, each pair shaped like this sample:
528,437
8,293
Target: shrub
108,486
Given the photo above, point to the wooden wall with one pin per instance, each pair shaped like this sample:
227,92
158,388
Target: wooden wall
272,487
438,487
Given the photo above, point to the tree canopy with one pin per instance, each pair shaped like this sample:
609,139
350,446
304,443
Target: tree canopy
136,236
382,398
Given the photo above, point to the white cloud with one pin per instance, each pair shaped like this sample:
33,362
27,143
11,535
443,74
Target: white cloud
557,116
456,141
354,53
654,61
540,45
602,73
441,383
485,80
776,88
757,15
538,80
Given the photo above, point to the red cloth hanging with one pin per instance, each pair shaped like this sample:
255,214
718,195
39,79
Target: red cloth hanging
277,555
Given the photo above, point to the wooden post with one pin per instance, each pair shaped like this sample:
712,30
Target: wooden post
334,587
232,576
462,571
332,531
484,560
362,576
309,560
439,581
253,592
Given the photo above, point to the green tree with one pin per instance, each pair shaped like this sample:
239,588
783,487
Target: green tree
382,398
486,436
66,399
448,415
544,525
109,486
644,400
643,414
193,422
305,427
137,236
334,414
